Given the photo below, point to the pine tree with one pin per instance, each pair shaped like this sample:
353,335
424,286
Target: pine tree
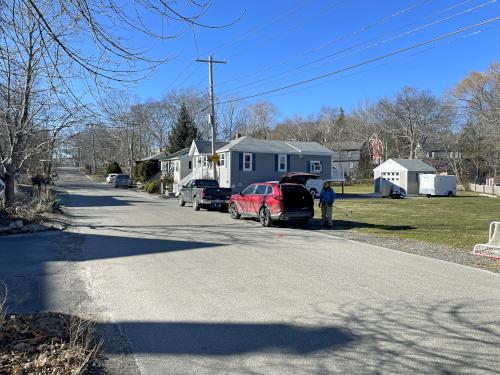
184,131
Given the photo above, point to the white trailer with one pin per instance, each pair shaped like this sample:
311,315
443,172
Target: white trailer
432,184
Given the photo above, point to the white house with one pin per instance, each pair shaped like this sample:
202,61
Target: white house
178,165
400,173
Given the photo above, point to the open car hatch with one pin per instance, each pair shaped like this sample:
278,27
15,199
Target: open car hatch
297,177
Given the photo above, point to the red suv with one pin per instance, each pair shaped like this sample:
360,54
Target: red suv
273,201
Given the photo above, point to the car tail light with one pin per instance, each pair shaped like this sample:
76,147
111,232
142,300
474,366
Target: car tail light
202,194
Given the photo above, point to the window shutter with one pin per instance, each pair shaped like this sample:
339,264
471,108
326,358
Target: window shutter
253,162
288,163
309,166
276,163
241,161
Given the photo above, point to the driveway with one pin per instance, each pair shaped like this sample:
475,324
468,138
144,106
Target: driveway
199,293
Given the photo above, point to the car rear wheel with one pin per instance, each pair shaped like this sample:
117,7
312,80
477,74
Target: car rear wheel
265,217
181,201
313,192
196,204
233,211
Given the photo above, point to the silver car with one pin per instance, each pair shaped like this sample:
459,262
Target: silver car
122,180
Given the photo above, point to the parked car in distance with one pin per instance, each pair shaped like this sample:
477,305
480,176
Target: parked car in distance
111,177
204,193
273,201
122,180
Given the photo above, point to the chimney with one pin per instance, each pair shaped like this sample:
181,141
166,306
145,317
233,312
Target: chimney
237,135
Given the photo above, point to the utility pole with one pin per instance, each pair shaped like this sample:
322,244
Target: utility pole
214,157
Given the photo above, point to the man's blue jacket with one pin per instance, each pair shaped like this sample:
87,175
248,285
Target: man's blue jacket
327,196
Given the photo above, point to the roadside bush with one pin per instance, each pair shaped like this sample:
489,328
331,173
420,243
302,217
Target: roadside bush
47,202
113,167
152,186
145,170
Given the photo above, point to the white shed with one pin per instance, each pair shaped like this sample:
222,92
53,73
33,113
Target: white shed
401,173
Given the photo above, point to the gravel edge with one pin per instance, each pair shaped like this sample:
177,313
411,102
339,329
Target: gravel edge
441,252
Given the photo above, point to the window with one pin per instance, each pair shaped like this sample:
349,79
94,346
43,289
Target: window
247,161
222,160
261,190
199,161
248,190
349,153
205,161
282,163
316,166
351,165
176,166
190,164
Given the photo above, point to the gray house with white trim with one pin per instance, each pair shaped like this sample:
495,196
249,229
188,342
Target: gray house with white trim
246,160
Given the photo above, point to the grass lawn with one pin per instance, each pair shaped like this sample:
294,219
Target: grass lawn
460,221
355,189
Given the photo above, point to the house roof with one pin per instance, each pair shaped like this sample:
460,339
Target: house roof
160,156
346,146
410,165
177,154
205,147
440,147
250,144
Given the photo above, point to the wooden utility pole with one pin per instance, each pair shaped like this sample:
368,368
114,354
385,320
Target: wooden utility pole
214,157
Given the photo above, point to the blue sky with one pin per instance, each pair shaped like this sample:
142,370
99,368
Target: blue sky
278,42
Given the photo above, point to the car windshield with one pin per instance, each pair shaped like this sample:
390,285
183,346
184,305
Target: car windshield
206,183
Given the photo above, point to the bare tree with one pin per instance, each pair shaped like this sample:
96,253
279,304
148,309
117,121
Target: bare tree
412,118
478,98
261,119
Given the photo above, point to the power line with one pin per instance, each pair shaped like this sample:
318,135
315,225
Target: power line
329,57
333,41
366,62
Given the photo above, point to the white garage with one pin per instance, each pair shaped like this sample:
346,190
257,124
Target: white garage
399,174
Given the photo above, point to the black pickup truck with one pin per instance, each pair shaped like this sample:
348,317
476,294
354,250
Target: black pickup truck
205,193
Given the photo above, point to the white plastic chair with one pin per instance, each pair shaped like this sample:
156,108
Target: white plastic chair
493,241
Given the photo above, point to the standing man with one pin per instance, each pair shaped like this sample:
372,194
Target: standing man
326,199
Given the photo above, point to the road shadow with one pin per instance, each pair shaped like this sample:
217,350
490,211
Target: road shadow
225,339
460,336
25,261
77,201
394,337
340,224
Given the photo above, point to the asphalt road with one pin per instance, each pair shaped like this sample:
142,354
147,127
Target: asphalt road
199,293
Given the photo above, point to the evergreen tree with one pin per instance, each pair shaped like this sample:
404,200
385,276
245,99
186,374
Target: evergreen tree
184,131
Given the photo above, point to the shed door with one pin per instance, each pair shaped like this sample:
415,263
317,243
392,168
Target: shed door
392,177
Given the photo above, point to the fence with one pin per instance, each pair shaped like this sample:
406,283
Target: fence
494,190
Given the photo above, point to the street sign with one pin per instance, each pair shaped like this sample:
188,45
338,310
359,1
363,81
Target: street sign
215,158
